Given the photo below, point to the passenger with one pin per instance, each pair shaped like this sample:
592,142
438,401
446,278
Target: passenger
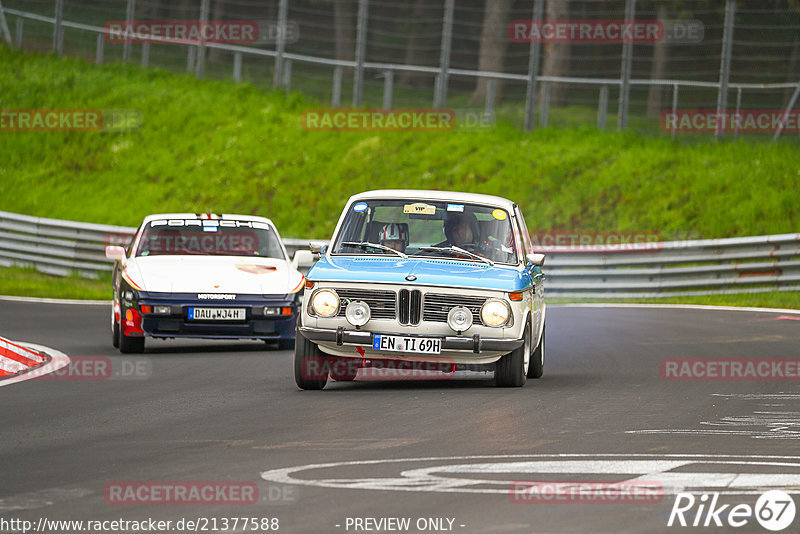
394,236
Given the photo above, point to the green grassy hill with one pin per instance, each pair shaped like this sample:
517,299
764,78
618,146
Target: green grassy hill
225,147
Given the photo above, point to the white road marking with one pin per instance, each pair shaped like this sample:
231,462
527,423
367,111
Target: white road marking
41,498
41,300
779,472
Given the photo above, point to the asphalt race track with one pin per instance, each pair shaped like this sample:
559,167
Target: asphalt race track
445,454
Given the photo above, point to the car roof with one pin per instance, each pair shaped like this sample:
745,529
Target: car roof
453,196
206,216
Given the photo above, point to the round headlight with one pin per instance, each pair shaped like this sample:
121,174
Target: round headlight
495,313
325,303
459,318
357,313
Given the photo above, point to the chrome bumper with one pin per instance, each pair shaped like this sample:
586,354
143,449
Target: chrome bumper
475,343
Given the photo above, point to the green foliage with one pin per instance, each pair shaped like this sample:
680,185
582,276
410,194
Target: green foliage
225,147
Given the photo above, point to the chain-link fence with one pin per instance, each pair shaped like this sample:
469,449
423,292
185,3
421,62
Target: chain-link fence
532,62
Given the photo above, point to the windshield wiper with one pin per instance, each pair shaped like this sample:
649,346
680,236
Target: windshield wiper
367,244
458,250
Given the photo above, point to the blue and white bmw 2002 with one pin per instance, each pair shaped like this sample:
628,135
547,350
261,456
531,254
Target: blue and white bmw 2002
443,279
205,276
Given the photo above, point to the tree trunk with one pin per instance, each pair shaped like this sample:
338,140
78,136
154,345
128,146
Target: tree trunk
415,46
556,55
344,26
217,13
494,43
657,70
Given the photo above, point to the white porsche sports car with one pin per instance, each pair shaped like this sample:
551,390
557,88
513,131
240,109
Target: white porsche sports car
205,276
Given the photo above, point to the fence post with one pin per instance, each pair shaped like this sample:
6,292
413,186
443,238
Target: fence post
533,69
738,111
98,54
785,115
336,92
625,75
130,12
602,108
18,33
237,66
491,87
444,57
544,109
4,25
280,46
201,49
725,65
388,86
361,42
674,108
287,75
145,54
58,35
190,58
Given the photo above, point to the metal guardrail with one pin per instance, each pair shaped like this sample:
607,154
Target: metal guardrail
672,268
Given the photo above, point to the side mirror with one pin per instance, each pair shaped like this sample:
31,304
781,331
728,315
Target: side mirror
303,258
115,252
318,250
535,259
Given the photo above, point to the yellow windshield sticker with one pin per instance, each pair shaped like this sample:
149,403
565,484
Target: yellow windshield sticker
499,214
420,207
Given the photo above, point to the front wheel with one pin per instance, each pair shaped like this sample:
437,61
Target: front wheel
511,370
310,366
130,344
536,367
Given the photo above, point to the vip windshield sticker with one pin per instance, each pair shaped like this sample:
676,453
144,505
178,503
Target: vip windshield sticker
420,208
359,207
499,214
455,207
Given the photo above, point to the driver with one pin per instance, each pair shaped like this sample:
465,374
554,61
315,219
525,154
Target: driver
461,230
394,236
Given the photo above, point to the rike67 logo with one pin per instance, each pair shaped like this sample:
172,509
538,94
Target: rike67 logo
774,510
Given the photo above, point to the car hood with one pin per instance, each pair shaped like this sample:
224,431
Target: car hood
419,271
213,274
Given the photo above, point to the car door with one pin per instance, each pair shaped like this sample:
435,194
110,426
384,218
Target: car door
537,289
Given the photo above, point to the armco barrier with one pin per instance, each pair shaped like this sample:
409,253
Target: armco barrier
672,268
16,358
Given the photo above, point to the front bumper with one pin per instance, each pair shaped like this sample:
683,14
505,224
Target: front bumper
463,349
255,325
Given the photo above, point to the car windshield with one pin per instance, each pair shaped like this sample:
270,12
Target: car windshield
422,228
180,237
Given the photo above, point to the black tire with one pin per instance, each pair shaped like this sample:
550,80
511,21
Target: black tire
130,344
510,369
310,366
536,367
286,344
115,335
